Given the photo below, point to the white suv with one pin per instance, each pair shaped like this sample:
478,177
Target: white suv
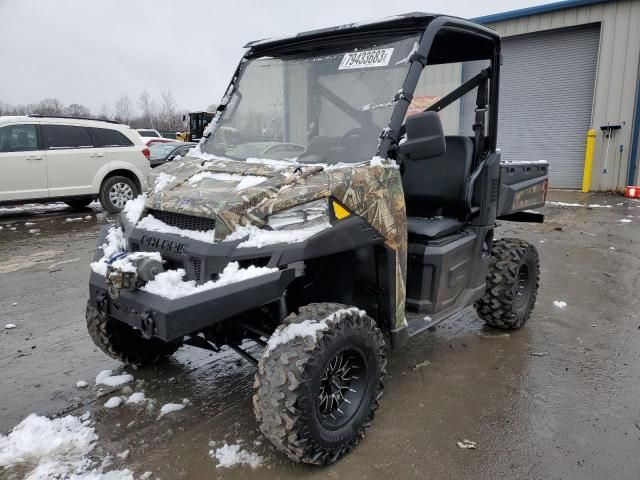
70,159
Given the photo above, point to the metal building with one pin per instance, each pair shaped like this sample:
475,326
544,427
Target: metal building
569,67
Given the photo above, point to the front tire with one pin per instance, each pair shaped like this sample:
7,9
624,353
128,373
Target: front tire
122,343
116,191
309,401
512,285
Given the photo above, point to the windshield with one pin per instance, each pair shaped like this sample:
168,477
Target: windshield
321,108
147,133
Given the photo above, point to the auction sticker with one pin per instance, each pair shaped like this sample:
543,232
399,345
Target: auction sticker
366,59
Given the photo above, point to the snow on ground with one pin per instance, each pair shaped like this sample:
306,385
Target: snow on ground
564,204
625,220
169,408
170,284
133,208
81,384
244,181
33,207
72,219
56,448
10,326
136,397
106,377
560,303
154,225
233,455
113,402
162,180
37,230
256,237
306,328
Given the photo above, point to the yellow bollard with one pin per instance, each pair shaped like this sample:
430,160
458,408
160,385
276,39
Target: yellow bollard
588,160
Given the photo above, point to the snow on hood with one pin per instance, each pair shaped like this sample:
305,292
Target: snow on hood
237,192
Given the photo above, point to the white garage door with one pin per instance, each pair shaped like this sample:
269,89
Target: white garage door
546,94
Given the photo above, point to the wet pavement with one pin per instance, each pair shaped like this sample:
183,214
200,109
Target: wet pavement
558,399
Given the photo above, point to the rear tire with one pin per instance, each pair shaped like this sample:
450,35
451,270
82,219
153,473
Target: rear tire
123,343
512,285
308,401
116,191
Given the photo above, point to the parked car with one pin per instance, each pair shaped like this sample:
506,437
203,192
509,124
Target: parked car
165,152
70,159
272,150
151,136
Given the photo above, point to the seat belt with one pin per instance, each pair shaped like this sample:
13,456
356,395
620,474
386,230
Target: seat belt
478,126
478,129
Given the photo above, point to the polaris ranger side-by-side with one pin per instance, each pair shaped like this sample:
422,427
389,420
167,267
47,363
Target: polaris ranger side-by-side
380,229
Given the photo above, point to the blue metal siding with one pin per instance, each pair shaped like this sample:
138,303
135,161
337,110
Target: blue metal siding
526,12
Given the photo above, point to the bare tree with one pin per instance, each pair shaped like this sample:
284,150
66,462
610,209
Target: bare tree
49,106
124,110
77,110
149,108
105,113
169,118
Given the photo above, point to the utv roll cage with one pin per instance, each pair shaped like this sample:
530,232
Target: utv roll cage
444,40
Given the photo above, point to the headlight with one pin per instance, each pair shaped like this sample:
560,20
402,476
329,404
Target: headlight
302,216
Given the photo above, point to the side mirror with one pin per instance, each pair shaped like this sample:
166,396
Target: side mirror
425,138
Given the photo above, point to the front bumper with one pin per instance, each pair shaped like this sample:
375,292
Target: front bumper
168,320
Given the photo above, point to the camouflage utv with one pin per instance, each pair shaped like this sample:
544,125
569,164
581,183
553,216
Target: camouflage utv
345,196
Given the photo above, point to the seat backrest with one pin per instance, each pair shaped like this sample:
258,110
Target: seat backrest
439,185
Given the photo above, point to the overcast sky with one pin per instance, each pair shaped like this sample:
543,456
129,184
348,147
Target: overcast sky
94,51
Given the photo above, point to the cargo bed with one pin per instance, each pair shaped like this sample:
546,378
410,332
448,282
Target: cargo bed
523,186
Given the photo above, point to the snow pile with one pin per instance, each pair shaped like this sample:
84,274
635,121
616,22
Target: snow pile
154,225
133,208
625,220
559,303
306,328
10,326
81,384
136,397
595,205
256,237
106,377
54,448
383,162
233,455
169,408
170,285
71,220
113,402
115,243
162,180
244,181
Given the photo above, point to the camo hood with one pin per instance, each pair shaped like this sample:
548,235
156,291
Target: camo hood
233,192
247,192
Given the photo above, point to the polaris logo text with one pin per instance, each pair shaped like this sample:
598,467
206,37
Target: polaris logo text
156,243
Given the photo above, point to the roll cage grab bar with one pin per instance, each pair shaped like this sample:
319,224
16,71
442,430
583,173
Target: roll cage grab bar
396,129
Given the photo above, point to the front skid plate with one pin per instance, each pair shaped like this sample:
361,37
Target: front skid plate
173,319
